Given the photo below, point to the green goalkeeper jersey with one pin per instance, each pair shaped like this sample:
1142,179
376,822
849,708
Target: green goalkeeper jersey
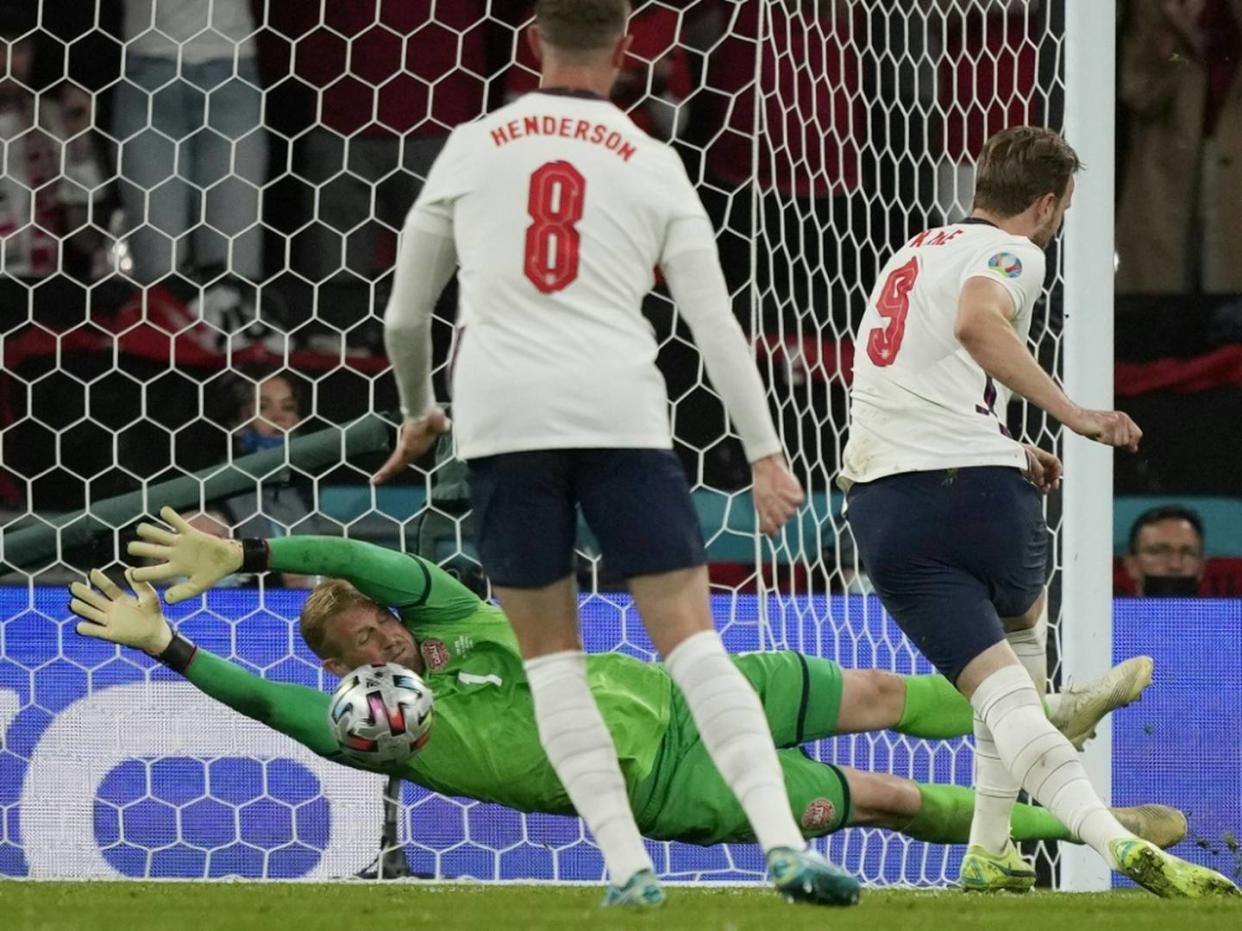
484,743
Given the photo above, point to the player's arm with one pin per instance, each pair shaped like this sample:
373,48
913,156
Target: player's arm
400,580
426,260
691,267
984,327
108,613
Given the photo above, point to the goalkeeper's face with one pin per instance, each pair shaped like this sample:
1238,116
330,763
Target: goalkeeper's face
363,634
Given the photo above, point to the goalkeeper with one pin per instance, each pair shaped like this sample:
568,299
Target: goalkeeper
484,744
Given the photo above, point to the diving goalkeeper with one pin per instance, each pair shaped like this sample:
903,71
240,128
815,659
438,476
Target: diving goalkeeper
384,606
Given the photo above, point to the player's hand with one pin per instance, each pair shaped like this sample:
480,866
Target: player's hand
777,493
1112,428
183,552
415,436
1043,469
110,614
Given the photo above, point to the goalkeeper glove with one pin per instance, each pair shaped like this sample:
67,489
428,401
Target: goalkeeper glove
184,551
111,614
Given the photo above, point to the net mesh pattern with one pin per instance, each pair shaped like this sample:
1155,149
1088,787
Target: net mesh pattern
199,211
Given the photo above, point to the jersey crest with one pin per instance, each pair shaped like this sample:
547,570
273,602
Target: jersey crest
819,814
1005,264
435,654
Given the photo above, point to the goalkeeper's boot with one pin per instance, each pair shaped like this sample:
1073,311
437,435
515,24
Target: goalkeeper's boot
1160,824
983,871
1079,709
1166,875
806,876
642,891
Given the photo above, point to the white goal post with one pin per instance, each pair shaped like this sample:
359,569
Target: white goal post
1087,530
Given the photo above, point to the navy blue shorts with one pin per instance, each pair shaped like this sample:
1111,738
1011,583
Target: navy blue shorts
636,502
950,553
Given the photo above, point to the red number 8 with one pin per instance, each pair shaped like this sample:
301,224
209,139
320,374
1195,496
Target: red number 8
884,342
557,192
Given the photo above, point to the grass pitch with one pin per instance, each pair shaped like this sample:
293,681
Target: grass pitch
134,906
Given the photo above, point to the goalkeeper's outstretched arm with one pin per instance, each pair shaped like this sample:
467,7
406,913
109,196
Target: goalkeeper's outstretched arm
399,580
108,613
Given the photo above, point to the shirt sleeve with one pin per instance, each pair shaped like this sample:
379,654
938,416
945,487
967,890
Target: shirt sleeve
416,588
1017,266
688,228
425,263
294,710
433,208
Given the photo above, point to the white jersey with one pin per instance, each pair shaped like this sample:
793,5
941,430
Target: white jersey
919,402
561,209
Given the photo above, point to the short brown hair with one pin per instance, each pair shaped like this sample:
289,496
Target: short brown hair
581,25
329,599
1021,164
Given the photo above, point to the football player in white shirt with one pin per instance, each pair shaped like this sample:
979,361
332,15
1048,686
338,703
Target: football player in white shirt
557,208
945,507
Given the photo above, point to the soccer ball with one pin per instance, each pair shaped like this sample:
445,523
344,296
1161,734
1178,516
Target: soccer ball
381,714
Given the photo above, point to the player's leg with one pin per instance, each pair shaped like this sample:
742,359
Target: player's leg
638,504
941,814
1011,722
693,804
928,706
527,520
1015,565
920,706
941,603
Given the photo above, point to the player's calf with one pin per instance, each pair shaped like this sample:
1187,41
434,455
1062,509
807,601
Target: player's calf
871,700
880,800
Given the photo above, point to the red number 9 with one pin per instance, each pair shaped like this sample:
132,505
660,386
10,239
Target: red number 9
884,342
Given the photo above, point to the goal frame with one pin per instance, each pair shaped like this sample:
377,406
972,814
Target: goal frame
1087,522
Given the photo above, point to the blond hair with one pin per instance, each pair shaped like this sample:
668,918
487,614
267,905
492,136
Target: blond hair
581,25
327,601
1021,164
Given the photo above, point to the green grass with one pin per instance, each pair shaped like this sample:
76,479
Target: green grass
126,906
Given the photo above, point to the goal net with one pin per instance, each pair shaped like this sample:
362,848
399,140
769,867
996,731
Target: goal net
198,213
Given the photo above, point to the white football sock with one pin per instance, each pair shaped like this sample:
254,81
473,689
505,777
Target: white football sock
1041,760
1031,645
584,757
730,720
995,793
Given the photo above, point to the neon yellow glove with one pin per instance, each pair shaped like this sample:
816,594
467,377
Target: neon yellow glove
183,551
111,614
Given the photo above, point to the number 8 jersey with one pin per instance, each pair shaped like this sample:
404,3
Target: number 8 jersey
919,402
560,209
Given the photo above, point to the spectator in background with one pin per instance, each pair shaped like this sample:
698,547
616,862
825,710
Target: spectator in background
1166,552
50,173
266,408
394,77
193,155
1179,225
